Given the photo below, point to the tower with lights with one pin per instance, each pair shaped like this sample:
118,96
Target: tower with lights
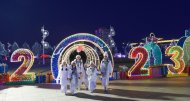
107,35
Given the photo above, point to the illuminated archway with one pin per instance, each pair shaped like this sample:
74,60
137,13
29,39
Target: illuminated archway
67,42
92,55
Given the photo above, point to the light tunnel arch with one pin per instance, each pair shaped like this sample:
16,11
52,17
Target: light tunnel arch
89,51
65,43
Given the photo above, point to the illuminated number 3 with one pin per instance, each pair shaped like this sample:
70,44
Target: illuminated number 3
176,53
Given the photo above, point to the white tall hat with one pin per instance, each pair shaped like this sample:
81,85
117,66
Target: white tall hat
78,56
106,54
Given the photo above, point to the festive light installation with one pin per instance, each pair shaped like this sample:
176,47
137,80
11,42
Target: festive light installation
185,43
181,41
176,53
80,48
141,55
156,52
21,74
183,38
187,53
89,51
186,48
65,43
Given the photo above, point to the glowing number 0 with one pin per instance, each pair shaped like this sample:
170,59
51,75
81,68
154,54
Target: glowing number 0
176,53
141,54
27,57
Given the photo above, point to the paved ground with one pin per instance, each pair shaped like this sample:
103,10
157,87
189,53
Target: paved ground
167,89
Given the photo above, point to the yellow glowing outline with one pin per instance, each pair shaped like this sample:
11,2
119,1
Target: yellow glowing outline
73,48
138,61
85,34
102,51
88,50
26,63
177,58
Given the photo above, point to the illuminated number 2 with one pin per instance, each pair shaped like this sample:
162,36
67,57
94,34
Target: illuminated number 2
176,53
27,57
141,55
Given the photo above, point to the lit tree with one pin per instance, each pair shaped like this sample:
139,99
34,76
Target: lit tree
3,52
9,48
2,49
115,50
26,46
37,49
14,47
107,35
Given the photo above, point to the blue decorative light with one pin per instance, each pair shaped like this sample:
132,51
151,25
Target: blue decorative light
155,50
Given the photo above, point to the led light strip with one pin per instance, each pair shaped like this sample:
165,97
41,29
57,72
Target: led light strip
85,37
141,54
89,51
28,59
176,53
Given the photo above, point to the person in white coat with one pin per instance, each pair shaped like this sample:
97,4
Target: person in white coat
80,71
92,73
85,76
63,77
72,77
106,71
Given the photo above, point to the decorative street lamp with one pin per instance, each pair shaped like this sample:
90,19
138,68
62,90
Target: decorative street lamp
45,44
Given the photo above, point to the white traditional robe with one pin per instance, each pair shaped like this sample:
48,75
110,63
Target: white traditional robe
92,77
62,76
85,78
106,69
73,76
80,71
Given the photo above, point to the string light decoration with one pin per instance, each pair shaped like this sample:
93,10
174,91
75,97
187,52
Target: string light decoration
176,53
141,55
21,74
184,42
67,42
154,51
45,44
91,54
155,54
80,48
181,41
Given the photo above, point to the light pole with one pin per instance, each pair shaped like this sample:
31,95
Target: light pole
45,44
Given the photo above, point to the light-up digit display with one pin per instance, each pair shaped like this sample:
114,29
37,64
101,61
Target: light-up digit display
141,55
21,74
176,53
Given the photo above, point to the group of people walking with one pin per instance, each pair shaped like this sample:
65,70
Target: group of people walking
78,73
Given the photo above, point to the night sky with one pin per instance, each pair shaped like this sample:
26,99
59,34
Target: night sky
21,20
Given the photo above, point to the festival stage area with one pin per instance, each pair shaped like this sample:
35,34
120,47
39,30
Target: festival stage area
167,89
